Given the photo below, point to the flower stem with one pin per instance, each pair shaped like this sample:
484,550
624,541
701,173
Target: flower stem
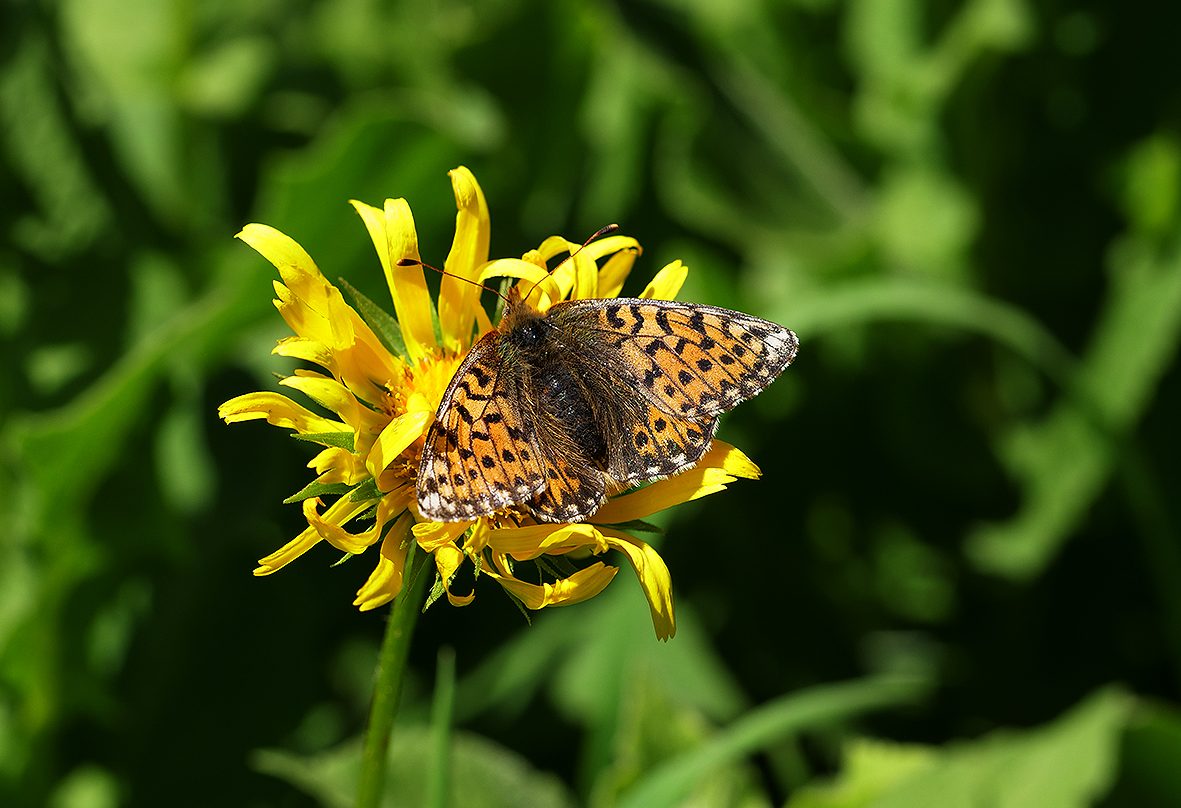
391,669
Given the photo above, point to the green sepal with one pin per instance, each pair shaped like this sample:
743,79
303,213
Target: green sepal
381,321
343,559
436,592
366,489
316,489
338,440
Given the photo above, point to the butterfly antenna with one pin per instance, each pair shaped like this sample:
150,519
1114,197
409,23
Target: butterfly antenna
412,262
602,231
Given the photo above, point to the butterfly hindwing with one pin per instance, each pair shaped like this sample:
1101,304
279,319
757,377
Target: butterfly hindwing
690,360
655,444
481,453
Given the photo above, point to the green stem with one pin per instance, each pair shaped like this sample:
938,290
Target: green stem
391,670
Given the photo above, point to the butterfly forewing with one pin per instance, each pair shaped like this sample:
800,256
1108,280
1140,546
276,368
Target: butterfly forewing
691,361
481,453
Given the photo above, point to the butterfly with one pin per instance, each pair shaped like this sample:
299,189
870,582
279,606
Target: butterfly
552,412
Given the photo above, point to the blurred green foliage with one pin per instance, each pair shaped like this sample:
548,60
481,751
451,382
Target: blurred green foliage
959,581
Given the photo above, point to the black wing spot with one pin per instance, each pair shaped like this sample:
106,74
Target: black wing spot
669,390
726,359
641,439
458,479
706,343
697,322
705,364
739,351
660,424
662,321
508,456
638,325
487,461
613,317
685,376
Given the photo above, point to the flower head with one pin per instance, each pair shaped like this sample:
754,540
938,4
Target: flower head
380,383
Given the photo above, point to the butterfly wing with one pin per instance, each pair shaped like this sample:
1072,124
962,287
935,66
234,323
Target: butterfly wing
481,452
689,360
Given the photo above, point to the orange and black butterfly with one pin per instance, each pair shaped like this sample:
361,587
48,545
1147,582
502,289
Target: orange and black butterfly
552,412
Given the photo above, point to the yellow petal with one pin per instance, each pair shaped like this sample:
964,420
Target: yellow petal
329,524
433,535
278,248
535,278
458,300
612,244
290,551
277,410
667,282
396,438
447,561
582,585
613,273
385,582
394,238
654,579
529,542
721,465
329,394
336,465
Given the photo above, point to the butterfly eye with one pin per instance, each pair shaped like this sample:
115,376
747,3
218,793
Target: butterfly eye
529,333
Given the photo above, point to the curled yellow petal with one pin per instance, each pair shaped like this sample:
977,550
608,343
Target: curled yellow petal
458,299
385,582
529,542
582,585
667,282
447,561
433,535
654,579
329,525
278,410
394,238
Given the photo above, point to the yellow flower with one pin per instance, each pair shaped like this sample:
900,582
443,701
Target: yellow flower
382,391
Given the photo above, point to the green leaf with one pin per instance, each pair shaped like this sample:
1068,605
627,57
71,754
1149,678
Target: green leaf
381,321
674,781
316,489
483,773
1069,762
339,440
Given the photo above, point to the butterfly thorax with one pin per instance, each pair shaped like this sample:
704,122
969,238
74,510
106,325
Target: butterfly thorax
538,348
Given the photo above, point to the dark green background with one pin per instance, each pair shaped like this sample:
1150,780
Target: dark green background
968,212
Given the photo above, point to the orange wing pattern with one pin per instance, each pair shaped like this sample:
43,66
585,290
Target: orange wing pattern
691,361
659,445
481,453
572,493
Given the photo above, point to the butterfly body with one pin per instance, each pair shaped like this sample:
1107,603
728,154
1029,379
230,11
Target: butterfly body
552,412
